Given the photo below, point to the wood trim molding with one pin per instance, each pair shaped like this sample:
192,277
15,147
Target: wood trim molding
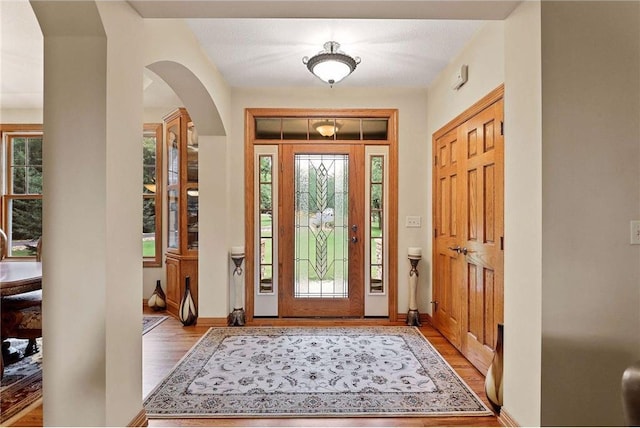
476,108
140,420
158,197
306,112
393,211
212,322
506,420
424,318
249,176
318,322
249,132
20,127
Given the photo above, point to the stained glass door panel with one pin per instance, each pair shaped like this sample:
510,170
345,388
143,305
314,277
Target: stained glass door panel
322,234
321,226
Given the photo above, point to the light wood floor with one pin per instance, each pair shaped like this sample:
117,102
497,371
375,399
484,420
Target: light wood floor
168,342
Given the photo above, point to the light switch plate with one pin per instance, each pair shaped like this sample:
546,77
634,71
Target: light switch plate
635,232
413,221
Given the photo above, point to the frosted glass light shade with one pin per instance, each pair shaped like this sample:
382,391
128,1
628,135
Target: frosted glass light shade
331,65
331,71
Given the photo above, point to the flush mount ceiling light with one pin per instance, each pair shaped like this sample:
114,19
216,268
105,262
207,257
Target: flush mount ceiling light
327,128
331,65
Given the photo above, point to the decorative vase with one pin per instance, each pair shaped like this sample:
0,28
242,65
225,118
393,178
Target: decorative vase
158,300
188,313
493,381
631,394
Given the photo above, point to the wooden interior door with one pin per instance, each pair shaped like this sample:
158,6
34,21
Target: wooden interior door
468,200
322,231
447,304
482,166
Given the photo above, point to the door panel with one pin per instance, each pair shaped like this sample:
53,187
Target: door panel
322,231
483,171
446,296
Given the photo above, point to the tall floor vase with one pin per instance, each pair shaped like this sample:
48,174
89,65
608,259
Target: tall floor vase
631,394
493,381
158,300
188,313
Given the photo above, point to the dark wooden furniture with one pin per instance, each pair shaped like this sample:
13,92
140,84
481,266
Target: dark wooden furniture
182,206
20,306
20,277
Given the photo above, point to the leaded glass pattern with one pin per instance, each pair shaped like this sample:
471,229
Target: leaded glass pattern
321,226
376,223
266,223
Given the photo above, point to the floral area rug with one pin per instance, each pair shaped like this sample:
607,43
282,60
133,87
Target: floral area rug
21,385
151,321
359,371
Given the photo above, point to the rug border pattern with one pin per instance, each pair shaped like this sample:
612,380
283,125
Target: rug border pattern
419,346
154,324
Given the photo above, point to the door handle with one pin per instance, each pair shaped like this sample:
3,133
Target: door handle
457,249
354,227
354,239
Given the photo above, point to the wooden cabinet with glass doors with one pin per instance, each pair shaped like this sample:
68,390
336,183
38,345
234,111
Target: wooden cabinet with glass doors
182,207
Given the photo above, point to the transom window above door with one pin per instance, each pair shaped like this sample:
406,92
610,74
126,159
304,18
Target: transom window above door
323,129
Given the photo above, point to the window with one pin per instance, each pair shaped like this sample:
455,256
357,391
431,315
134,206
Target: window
22,193
152,195
265,175
376,223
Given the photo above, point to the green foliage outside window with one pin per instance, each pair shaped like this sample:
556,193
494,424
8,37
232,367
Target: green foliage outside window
26,179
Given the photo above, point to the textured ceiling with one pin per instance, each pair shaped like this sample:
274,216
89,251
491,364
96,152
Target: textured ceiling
269,52
253,51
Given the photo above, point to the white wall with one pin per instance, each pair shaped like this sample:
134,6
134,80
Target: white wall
484,55
21,116
172,40
590,170
124,218
413,172
509,52
91,200
207,98
523,214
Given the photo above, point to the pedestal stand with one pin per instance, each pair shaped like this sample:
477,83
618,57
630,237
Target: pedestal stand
413,317
237,316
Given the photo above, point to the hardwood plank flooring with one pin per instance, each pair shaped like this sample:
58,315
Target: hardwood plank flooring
167,343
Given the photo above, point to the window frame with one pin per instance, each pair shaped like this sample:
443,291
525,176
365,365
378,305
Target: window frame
276,138
8,131
156,128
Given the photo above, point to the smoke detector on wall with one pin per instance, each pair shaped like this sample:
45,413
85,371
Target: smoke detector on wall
460,77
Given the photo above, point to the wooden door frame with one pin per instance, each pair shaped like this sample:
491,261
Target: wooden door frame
487,101
250,141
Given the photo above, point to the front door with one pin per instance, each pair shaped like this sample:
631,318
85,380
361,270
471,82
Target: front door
322,231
